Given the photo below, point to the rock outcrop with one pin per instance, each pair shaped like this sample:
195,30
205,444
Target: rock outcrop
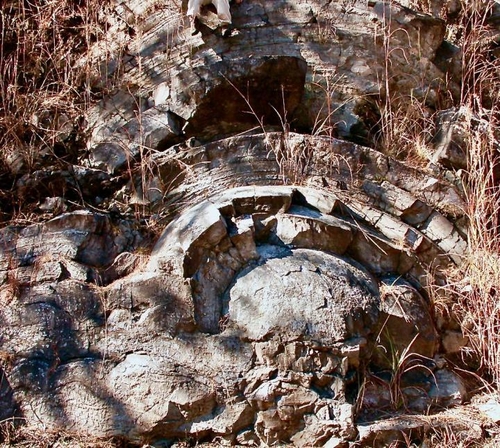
287,296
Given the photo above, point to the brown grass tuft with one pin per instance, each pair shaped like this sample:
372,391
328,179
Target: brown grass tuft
477,281
44,91
404,131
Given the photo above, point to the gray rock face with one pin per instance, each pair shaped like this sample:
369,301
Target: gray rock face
302,293
407,324
450,140
282,63
290,266
272,290
450,148
277,294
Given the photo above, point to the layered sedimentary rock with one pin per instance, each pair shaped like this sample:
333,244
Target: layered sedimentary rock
288,292
258,314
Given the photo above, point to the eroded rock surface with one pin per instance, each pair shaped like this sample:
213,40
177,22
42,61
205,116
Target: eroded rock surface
255,312
309,281
287,295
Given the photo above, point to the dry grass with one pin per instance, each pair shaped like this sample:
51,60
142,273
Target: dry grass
406,121
44,92
478,281
479,295
404,131
12,434
406,128
328,83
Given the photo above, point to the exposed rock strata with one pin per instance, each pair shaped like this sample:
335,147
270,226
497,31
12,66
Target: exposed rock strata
290,284
281,355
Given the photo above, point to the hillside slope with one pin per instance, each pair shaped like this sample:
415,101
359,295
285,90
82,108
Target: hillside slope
280,233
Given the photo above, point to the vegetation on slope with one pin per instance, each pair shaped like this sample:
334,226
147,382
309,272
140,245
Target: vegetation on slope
46,86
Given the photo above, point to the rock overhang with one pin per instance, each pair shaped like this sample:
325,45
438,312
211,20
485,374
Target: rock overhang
265,89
